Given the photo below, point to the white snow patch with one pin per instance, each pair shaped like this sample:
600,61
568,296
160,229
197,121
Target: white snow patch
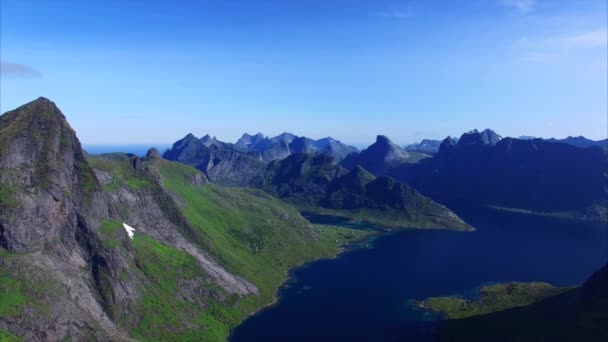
130,230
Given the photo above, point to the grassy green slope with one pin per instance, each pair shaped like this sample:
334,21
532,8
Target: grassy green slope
251,234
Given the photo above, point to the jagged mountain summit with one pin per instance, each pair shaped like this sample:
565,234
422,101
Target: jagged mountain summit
286,144
236,164
246,141
116,247
486,137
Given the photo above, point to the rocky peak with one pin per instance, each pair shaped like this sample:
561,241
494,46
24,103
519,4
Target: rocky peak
378,158
189,138
284,137
42,161
486,137
448,144
153,153
248,140
383,140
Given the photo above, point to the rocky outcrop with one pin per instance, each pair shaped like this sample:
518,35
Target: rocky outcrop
153,153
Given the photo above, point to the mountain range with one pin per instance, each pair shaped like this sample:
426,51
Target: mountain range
429,146
480,167
538,175
583,142
236,164
286,144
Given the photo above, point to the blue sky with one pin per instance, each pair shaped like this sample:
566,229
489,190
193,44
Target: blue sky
152,71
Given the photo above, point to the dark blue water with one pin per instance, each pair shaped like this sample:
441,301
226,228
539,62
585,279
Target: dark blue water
367,293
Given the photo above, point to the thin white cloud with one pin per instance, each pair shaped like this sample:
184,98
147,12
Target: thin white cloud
597,38
15,70
396,14
553,48
523,6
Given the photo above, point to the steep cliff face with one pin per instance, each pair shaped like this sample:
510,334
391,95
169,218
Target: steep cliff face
48,190
201,257
46,180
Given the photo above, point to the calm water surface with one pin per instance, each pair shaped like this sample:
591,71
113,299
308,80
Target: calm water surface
368,292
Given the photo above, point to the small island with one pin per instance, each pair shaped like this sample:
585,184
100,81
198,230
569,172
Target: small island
492,298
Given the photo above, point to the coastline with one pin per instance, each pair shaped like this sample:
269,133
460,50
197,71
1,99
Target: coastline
376,232
276,295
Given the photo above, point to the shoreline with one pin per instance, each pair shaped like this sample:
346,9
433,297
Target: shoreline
373,233
276,295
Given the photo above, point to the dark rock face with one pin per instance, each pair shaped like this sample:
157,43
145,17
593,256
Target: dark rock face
377,158
41,168
348,191
301,177
531,174
447,145
476,138
301,145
